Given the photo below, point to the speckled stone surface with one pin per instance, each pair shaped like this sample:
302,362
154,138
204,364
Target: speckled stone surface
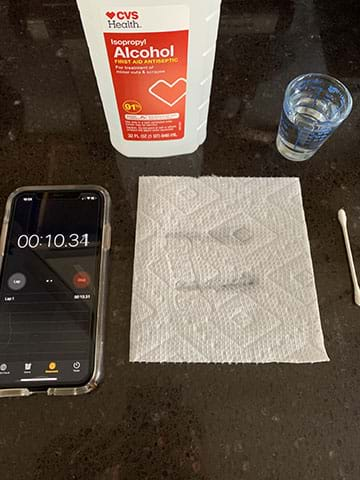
191,422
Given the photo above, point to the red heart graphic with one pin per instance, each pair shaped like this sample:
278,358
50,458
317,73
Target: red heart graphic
111,15
169,93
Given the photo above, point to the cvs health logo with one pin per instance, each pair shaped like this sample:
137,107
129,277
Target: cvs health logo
123,15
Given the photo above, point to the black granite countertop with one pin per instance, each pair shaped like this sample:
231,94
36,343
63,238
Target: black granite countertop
183,422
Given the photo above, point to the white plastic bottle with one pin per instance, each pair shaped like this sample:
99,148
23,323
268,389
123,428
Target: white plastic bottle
153,61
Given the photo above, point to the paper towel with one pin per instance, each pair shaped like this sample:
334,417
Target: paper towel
223,273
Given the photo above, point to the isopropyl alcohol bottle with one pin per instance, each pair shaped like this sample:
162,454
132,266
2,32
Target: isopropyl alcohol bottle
153,61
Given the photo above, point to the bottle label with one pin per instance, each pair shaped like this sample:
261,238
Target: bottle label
147,48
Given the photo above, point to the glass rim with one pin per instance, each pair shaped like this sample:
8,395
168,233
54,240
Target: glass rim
331,79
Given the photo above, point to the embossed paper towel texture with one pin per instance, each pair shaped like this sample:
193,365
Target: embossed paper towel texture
223,273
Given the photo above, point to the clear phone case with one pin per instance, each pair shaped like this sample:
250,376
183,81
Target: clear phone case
98,371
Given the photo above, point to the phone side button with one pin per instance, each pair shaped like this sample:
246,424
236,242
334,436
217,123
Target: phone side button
107,237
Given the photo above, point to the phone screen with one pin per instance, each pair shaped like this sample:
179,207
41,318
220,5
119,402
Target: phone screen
49,289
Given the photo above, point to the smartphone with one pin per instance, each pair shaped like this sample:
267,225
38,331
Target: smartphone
54,254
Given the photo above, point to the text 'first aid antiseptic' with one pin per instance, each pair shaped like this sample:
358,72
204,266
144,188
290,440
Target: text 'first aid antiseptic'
153,65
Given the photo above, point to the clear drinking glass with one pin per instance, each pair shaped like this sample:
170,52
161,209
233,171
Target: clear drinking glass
314,106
